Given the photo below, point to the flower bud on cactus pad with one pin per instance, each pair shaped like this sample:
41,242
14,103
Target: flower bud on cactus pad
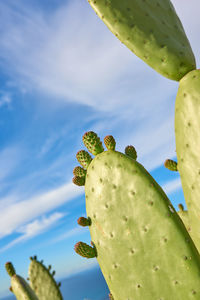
131,152
78,171
84,221
85,250
78,180
92,142
84,158
110,143
171,165
111,297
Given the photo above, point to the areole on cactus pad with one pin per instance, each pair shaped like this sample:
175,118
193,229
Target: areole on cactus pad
137,234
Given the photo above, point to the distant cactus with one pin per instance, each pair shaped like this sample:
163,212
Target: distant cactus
42,284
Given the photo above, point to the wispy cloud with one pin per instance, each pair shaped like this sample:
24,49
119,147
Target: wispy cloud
17,214
10,158
36,227
172,186
5,99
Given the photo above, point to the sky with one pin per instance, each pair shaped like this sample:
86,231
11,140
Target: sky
62,73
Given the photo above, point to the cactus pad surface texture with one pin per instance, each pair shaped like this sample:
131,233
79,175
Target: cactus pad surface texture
19,285
152,30
143,247
187,124
42,281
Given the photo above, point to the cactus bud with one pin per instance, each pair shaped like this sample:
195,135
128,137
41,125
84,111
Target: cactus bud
80,181
49,267
78,171
84,221
181,207
131,152
10,269
92,142
85,250
171,165
84,158
110,143
111,297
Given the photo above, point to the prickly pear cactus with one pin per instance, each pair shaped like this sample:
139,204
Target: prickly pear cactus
151,30
137,254
19,285
42,281
187,131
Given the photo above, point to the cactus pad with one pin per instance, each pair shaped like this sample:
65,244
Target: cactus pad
19,286
136,256
43,282
151,30
187,131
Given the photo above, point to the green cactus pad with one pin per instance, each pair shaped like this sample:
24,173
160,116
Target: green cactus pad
151,30
171,165
84,221
78,171
78,180
19,286
43,282
109,142
85,250
187,131
131,152
92,142
84,158
183,214
143,247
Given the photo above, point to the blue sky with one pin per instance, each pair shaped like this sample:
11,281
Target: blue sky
62,73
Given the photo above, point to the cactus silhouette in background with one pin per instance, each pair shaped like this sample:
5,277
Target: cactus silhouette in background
140,239
42,283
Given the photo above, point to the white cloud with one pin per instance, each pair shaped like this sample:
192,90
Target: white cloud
17,214
64,236
10,157
172,186
5,99
34,228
